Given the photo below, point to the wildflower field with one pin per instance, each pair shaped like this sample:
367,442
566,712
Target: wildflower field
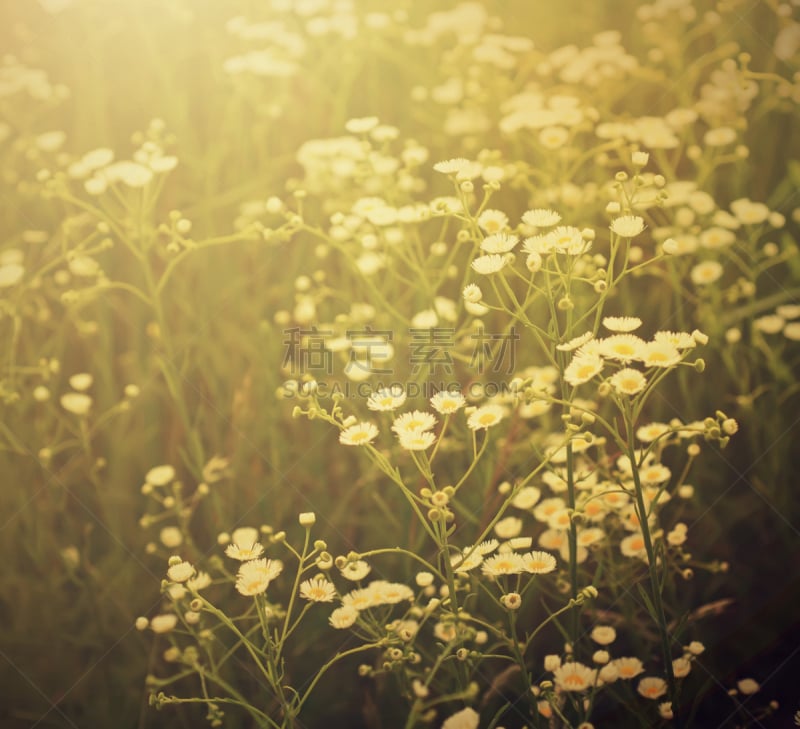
388,365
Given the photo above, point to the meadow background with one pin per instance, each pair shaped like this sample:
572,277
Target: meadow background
205,351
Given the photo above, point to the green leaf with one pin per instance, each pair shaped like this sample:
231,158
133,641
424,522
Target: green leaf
647,602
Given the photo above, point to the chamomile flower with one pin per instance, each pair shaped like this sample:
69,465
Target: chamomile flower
593,535
517,543
545,509
446,402
526,498
485,417
648,433
493,222
574,676
541,218
660,354
628,667
387,398
416,440
622,323
489,264
468,560
180,572
628,381
343,617
681,667
655,473
358,434
622,347
679,340
244,551
560,519
499,243
633,546
472,293
706,273
538,562
575,342
509,527
652,687
627,226
509,563
413,422
603,634
582,368
567,239
487,546
749,212
254,577
453,166
244,536
317,589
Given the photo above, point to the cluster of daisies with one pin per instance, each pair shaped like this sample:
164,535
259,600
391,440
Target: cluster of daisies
372,595
571,676
414,429
623,348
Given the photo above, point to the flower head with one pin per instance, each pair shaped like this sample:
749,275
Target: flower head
489,264
541,218
416,440
622,323
627,226
574,676
628,381
416,421
446,402
539,563
485,417
455,166
317,589
508,563
358,434
706,273
77,403
622,347
254,577
582,368
387,398
652,687
628,667
180,572
499,243
660,354
343,617
604,634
